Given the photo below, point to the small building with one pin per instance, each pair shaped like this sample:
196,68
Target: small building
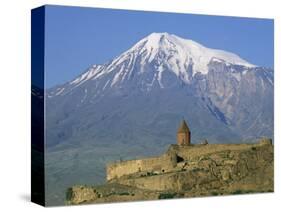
183,134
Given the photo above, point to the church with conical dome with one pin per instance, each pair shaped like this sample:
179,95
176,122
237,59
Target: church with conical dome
183,134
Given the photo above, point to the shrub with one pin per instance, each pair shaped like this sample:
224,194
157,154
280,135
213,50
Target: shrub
69,193
243,192
214,193
167,195
124,193
237,192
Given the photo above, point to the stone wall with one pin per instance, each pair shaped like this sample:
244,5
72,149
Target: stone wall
193,151
161,163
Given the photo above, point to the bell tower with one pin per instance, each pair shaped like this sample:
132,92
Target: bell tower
183,134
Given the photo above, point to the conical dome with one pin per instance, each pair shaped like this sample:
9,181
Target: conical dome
183,127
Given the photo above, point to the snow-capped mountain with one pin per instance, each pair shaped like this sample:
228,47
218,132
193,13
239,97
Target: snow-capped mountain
159,80
160,52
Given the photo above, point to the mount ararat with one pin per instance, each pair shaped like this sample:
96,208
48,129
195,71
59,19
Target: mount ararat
142,94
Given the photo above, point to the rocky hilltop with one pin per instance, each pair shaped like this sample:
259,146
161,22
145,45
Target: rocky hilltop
185,171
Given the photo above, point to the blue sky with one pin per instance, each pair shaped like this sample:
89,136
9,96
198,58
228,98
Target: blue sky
78,37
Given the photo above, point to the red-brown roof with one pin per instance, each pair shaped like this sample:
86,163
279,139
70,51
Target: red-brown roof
183,127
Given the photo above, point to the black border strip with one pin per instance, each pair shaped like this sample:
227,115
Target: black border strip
37,105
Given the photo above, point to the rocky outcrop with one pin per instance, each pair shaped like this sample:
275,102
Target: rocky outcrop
203,170
111,192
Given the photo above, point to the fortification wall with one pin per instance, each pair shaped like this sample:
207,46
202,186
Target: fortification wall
161,163
193,151
118,169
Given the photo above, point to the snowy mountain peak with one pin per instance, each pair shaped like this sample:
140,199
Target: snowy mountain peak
184,51
155,40
157,54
